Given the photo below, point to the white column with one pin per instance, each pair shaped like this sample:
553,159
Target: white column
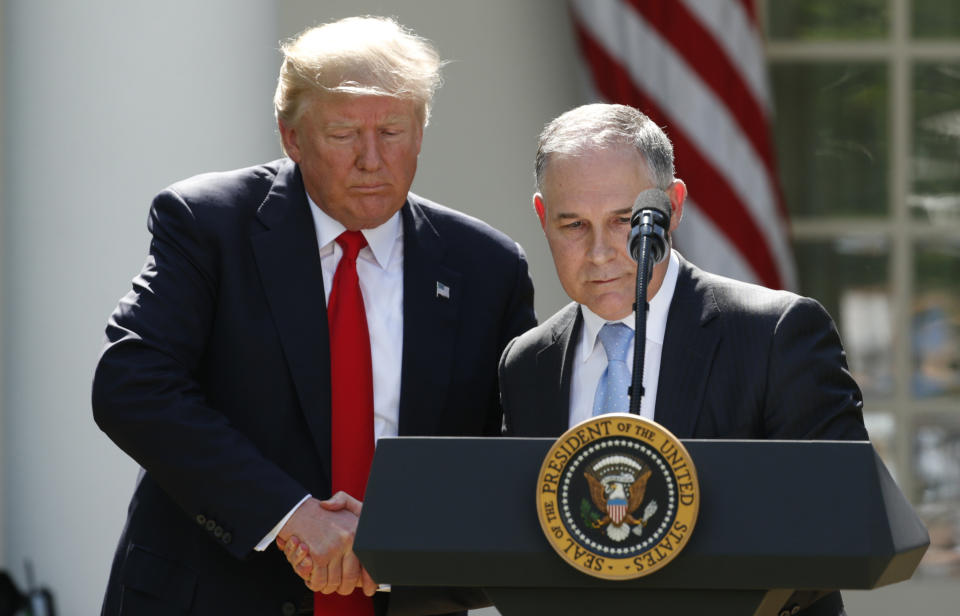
2,354
106,102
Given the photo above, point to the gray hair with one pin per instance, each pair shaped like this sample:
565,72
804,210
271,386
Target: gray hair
357,56
602,126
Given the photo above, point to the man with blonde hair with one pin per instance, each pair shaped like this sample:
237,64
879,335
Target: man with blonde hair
288,315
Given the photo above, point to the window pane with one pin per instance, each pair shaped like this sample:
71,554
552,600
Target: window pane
936,467
849,276
939,19
828,19
831,134
936,141
936,320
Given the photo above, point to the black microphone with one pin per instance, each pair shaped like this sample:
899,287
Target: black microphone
649,233
650,218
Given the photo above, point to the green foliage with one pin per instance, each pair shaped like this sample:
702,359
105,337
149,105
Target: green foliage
828,19
588,513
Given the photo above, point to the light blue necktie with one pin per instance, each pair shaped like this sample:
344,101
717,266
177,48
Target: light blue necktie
612,390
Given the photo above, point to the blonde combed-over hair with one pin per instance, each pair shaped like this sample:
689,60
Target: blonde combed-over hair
356,56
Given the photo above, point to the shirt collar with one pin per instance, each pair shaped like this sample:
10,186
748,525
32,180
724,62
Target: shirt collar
660,304
656,317
380,240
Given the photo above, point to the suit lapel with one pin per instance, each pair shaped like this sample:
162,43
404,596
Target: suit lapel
689,347
554,370
289,263
431,305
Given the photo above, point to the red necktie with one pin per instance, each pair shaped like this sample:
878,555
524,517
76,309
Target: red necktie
351,396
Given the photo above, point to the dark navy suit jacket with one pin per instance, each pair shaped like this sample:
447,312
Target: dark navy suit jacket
215,378
739,361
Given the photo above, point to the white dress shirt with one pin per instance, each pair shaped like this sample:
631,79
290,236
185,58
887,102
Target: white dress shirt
380,269
590,360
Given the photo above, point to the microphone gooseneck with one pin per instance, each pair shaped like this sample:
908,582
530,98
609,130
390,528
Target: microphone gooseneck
649,238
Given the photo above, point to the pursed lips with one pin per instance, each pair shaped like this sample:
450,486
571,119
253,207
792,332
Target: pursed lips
601,281
369,188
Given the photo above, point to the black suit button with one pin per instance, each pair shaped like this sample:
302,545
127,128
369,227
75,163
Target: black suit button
794,610
288,609
218,531
211,524
201,519
226,538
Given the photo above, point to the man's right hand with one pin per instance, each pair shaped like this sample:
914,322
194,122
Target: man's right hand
318,542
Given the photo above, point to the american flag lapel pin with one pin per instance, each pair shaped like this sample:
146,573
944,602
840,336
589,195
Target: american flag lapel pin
443,291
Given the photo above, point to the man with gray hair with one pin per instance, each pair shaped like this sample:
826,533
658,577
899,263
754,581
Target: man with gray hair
288,315
723,359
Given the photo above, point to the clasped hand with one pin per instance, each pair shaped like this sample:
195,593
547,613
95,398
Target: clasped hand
318,543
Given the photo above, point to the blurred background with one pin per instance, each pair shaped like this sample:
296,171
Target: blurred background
820,141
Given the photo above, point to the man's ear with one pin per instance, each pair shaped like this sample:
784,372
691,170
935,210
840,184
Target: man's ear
290,139
541,213
678,194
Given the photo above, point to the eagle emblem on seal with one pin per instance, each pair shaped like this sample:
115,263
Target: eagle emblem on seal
617,487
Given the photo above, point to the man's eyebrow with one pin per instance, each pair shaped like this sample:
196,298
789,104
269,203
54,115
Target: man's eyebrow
387,121
619,212
341,124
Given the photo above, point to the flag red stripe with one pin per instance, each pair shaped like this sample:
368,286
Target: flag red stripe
750,10
726,209
696,44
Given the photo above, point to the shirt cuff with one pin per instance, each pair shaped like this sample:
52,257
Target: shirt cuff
269,537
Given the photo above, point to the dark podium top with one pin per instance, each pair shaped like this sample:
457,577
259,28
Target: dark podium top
773,515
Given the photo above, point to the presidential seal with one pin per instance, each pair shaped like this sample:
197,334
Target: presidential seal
617,496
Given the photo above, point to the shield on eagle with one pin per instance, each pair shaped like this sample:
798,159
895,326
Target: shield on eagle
617,485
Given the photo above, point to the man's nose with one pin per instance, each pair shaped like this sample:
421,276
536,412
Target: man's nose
368,156
602,246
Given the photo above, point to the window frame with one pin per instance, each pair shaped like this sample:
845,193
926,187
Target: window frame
903,232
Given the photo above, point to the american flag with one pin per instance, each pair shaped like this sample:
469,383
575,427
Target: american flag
696,67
